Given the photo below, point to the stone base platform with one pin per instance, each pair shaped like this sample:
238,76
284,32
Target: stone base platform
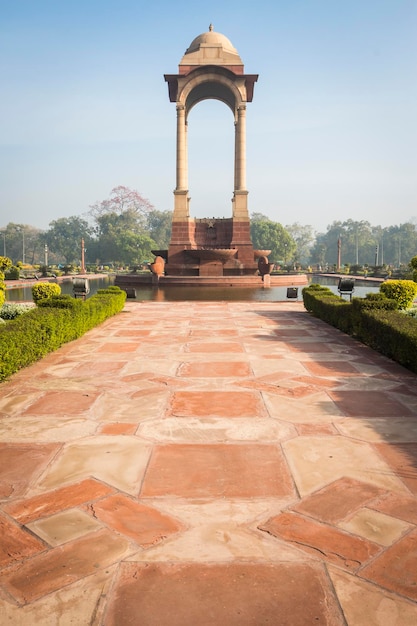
136,280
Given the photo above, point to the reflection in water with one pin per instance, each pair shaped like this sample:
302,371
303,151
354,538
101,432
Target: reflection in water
180,293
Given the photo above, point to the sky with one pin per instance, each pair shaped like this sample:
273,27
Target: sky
331,131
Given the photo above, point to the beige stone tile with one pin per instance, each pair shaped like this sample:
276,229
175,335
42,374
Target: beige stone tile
64,526
376,526
394,430
118,460
315,408
364,604
113,407
39,429
317,461
212,429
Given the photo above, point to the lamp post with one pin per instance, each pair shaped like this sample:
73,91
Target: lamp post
339,252
82,257
22,230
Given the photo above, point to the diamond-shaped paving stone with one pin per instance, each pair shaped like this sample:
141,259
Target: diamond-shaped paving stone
364,604
64,526
16,543
143,524
54,501
62,566
326,542
376,526
338,500
398,505
240,471
232,594
396,568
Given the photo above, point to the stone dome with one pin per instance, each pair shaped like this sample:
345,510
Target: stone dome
211,39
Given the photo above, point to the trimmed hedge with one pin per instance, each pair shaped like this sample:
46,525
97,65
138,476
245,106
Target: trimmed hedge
373,320
54,322
391,333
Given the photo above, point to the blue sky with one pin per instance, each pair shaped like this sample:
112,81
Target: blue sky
331,131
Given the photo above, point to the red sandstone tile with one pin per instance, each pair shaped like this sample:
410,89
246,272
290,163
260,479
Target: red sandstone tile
229,594
315,429
338,500
292,332
194,471
331,544
402,458
118,428
316,381
134,332
369,404
118,347
54,501
397,505
396,568
16,543
145,525
62,403
309,346
97,368
20,464
218,348
220,332
332,368
62,566
215,369
216,403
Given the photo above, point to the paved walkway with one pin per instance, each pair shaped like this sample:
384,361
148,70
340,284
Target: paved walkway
190,464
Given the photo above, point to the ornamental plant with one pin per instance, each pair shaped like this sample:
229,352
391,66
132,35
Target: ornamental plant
44,291
5,263
402,291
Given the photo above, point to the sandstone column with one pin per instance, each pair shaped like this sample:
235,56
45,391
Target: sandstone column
182,166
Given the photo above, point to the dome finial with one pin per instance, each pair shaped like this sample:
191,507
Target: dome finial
211,27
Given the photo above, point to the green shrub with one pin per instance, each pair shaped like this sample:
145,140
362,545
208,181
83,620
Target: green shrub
374,320
5,264
41,291
10,310
391,333
61,301
13,273
402,291
48,326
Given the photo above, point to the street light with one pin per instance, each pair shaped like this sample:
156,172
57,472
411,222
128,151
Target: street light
22,230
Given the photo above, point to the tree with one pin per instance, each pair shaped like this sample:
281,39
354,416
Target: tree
119,240
268,235
23,243
64,237
159,225
304,238
123,200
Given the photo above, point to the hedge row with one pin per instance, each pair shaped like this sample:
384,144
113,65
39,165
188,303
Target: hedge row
374,320
54,322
